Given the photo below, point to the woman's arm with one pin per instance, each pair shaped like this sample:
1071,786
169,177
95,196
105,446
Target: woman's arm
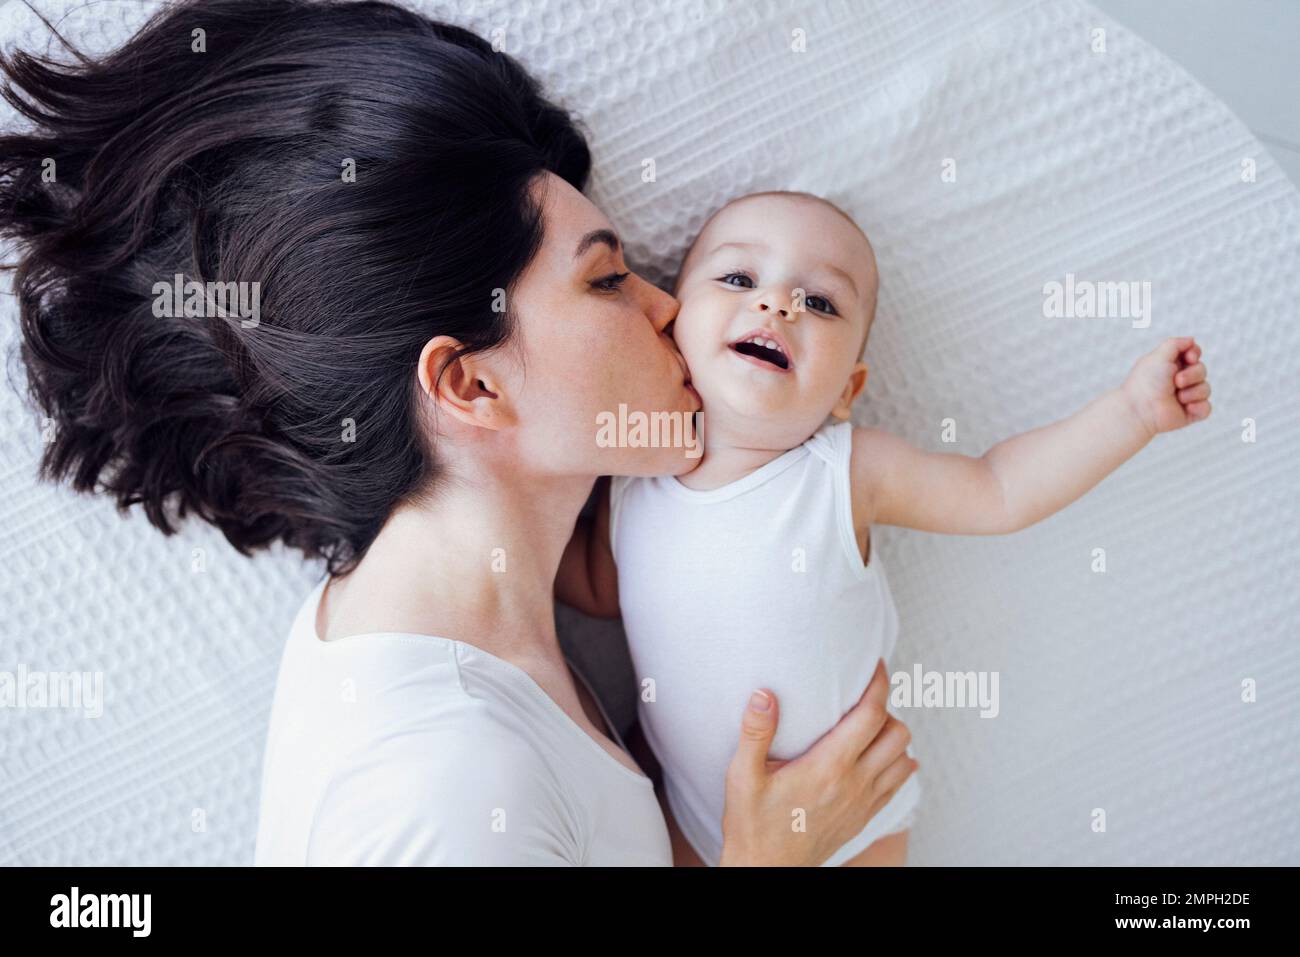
588,578
1030,476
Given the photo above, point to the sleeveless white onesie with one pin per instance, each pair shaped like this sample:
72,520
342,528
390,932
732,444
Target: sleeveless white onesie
758,583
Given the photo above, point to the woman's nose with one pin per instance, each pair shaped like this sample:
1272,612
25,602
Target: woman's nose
661,308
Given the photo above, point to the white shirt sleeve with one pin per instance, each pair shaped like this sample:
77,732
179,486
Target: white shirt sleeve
430,798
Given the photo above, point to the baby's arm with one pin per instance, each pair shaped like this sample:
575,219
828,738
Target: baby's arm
1028,477
588,577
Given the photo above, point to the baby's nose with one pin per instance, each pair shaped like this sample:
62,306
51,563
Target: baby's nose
783,313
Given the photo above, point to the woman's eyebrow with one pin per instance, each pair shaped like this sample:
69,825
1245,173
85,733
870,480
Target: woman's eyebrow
606,236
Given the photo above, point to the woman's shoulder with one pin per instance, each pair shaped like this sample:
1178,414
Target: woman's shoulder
464,786
384,750
474,748
426,702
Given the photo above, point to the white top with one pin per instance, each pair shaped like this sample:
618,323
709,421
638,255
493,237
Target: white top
395,748
759,583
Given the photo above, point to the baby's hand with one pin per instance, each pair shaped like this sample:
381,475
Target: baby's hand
1168,388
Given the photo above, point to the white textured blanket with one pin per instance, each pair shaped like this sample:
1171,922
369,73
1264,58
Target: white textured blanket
989,148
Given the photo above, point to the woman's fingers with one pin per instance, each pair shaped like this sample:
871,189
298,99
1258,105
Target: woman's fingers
883,786
877,689
1194,393
887,747
898,771
757,728
844,745
878,804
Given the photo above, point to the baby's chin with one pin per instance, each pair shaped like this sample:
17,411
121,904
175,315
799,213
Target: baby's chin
757,421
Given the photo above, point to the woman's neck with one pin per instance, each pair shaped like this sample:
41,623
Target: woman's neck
476,564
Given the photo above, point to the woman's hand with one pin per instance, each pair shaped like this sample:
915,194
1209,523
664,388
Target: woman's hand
1168,387
838,784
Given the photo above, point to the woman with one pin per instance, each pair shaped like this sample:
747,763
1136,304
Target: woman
430,315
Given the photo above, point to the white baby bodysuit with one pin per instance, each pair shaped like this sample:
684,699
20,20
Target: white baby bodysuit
757,584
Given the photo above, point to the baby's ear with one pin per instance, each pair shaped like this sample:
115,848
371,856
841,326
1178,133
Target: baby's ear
852,389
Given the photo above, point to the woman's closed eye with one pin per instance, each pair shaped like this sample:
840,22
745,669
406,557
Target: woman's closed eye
812,302
610,283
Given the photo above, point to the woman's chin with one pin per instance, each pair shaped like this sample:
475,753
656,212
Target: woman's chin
686,463
650,443
651,462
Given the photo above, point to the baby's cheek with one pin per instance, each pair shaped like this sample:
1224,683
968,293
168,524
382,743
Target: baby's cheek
691,344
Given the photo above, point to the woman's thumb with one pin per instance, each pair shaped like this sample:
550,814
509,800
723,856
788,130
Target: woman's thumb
756,731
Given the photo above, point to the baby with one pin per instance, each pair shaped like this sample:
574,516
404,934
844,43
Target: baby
756,569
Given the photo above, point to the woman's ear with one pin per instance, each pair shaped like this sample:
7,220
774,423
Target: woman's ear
852,389
463,386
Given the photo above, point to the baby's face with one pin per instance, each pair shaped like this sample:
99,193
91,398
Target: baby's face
740,283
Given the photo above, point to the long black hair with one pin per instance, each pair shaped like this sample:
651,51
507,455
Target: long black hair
363,169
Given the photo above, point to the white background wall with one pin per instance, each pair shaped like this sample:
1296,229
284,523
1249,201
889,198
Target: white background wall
1245,51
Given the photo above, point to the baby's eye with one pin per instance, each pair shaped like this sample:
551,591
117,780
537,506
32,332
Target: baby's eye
737,275
812,303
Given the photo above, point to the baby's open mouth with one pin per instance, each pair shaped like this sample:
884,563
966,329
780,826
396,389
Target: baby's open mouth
763,349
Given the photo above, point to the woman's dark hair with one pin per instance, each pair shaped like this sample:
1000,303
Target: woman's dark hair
219,143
